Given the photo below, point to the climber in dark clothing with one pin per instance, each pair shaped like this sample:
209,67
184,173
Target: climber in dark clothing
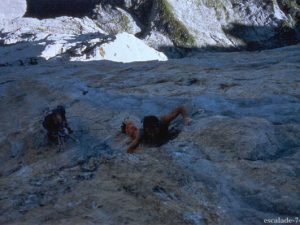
155,130
56,124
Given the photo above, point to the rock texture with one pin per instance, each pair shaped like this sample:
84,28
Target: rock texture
222,24
115,20
236,163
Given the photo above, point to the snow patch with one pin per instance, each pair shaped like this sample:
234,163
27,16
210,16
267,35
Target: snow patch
125,48
278,13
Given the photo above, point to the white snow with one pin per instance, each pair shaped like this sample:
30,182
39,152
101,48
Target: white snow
278,13
125,48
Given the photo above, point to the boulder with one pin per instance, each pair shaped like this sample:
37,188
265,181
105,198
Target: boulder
11,9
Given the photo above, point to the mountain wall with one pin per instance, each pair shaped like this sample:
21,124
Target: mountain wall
163,24
27,40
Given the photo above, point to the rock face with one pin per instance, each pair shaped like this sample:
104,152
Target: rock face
11,9
236,163
115,20
165,24
291,8
221,24
68,38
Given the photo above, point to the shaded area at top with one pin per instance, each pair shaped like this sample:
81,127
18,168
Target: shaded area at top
49,9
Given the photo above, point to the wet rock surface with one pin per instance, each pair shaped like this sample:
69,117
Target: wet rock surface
236,163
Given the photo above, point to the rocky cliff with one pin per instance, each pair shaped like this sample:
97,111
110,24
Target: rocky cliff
213,24
67,38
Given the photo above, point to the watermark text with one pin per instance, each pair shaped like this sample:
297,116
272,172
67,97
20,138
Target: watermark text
282,220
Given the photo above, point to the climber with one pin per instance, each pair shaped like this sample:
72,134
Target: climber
57,126
155,130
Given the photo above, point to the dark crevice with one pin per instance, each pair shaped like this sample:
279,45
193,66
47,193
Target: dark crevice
43,9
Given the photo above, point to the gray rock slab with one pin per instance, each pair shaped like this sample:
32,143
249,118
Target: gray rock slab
236,163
